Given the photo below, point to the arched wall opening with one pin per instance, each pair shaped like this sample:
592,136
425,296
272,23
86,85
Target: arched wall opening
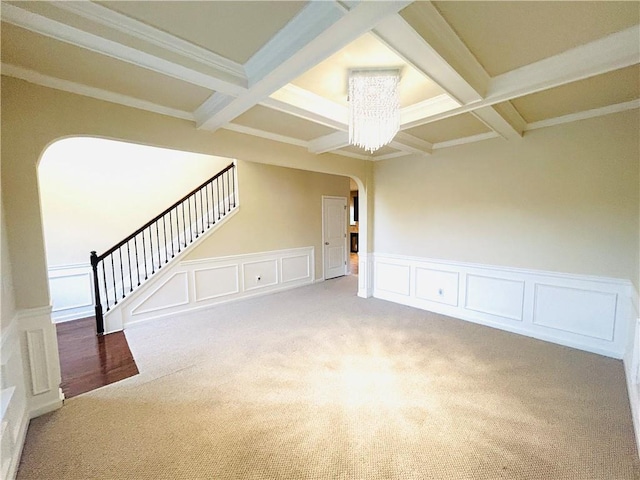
93,193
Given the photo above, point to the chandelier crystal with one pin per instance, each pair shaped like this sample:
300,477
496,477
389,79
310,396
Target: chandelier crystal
374,107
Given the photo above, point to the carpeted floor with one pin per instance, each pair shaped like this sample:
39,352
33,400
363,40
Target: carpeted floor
315,383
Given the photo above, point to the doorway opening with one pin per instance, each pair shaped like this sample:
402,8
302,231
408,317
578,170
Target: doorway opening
353,227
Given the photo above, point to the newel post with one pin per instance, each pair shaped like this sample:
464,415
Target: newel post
96,290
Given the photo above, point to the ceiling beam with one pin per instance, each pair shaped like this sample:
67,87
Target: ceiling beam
604,55
74,36
110,18
432,46
308,105
328,143
270,70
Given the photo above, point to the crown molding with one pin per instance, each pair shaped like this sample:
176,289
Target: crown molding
87,91
410,144
427,108
74,36
465,140
122,23
234,127
593,113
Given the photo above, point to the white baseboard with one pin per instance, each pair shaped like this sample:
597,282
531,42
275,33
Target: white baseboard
584,312
194,285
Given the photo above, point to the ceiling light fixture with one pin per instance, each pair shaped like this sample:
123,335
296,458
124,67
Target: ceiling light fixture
374,107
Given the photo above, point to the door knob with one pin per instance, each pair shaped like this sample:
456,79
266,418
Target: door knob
326,243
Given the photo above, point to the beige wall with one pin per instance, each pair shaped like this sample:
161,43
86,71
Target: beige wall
94,192
279,208
34,116
7,304
562,199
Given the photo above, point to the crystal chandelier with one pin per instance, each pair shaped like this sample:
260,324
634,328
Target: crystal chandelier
374,107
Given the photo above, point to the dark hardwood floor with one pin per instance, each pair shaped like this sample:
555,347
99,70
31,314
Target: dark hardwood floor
88,361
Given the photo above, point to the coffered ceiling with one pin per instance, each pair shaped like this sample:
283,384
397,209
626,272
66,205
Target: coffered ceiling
278,70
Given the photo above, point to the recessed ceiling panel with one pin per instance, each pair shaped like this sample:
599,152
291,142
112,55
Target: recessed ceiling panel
506,35
329,78
67,62
236,30
270,120
459,126
614,87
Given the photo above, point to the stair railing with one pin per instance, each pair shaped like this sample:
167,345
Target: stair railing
125,266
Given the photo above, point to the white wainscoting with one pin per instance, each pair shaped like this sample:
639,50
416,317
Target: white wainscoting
632,369
196,284
589,313
71,288
29,380
13,403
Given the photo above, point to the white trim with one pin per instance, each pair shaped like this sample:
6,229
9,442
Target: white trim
593,113
310,22
242,287
234,127
97,93
392,155
34,312
327,143
598,57
271,70
427,108
359,156
508,124
464,140
398,34
74,36
346,234
552,321
309,106
410,144
615,51
122,23
621,282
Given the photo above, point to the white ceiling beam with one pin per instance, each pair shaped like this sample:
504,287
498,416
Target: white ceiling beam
328,143
110,18
307,49
607,54
234,127
74,36
464,140
506,122
619,50
448,62
427,108
396,33
308,105
410,144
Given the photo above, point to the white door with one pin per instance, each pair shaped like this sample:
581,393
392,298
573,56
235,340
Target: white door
334,236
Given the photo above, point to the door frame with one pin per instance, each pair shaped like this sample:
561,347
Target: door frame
346,223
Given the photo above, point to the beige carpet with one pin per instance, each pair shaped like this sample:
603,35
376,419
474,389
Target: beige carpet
316,383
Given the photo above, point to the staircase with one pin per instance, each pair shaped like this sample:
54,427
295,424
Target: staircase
123,268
